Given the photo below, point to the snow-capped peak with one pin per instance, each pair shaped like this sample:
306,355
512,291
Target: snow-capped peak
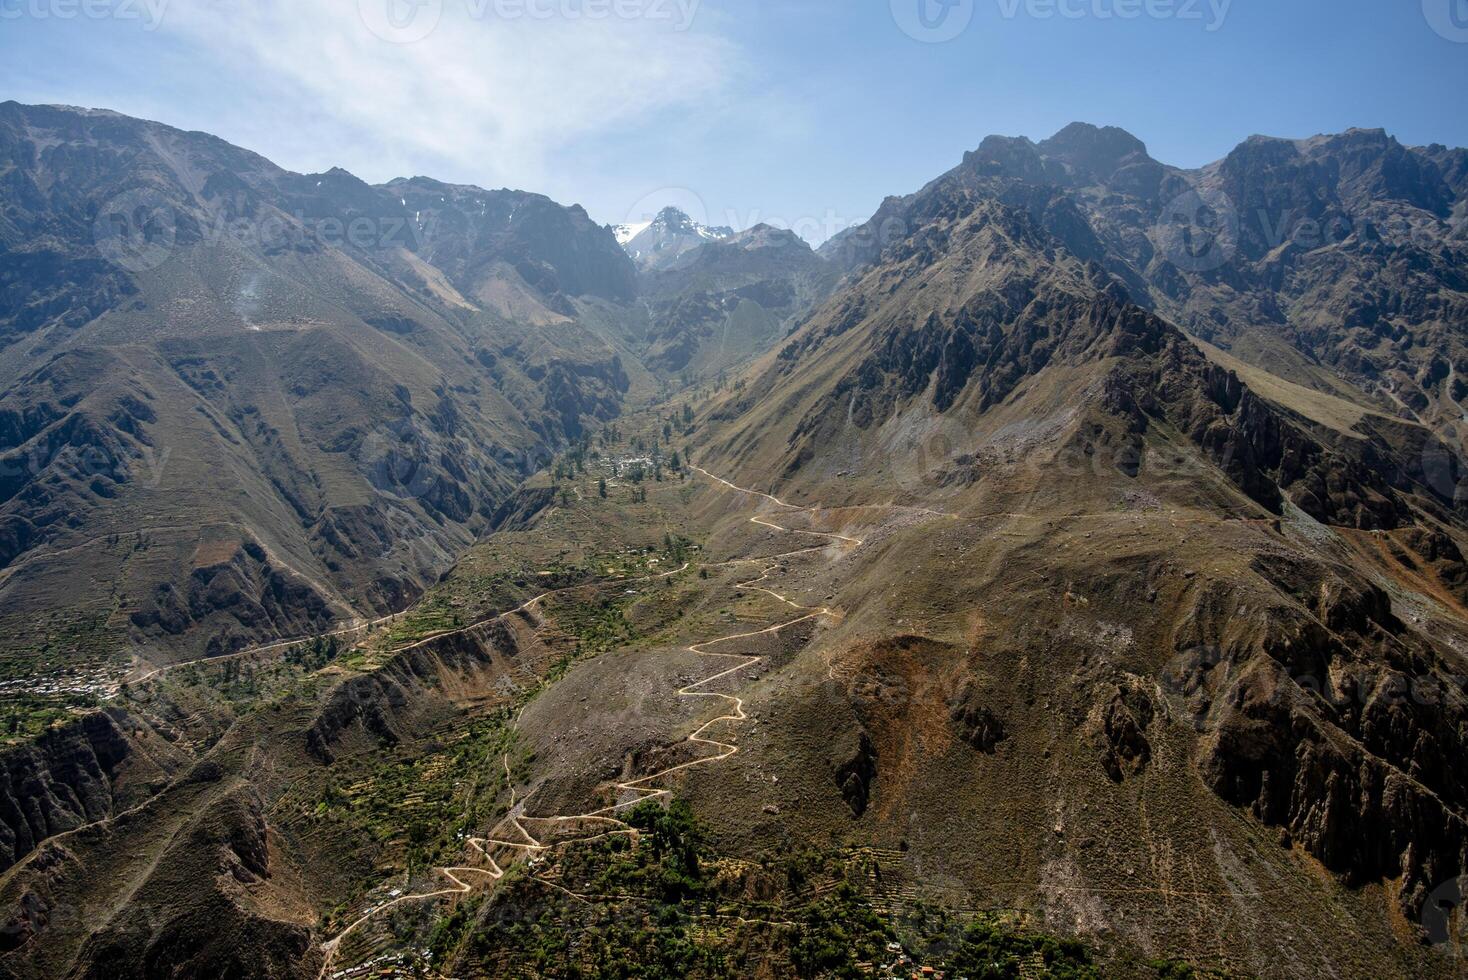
665,237
625,233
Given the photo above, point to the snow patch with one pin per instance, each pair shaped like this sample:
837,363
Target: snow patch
625,233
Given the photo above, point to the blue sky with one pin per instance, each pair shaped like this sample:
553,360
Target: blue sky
802,112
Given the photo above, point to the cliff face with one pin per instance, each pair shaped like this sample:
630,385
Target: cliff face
66,778
726,301
375,709
224,862
345,408
1338,724
245,592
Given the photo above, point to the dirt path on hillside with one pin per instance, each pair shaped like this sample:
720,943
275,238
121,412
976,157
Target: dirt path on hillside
605,822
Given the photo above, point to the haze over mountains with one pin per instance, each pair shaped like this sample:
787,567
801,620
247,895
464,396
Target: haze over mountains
1129,586
335,385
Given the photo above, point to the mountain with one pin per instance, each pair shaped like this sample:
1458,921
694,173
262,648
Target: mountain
1335,262
666,238
1218,564
724,302
1055,574
242,403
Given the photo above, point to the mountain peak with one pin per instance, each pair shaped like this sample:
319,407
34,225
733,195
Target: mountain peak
669,234
768,236
673,218
1083,137
1009,156
1094,150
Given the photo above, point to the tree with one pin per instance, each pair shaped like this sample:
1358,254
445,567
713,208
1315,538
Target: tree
675,841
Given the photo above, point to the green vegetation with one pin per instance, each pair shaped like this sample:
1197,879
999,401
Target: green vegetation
435,614
415,806
54,668
24,717
1168,969
668,906
676,548
314,654
985,950
241,685
599,624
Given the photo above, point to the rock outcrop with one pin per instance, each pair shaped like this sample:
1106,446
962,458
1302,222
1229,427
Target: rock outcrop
63,780
856,774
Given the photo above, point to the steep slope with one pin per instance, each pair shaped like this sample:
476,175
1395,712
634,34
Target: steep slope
1335,261
1346,249
723,303
243,403
1220,600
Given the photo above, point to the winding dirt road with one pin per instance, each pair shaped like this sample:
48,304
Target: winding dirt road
360,626
605,820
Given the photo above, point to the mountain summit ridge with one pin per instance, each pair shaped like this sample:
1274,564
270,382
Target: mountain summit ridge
665,238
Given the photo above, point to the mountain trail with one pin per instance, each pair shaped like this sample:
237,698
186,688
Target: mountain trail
639,789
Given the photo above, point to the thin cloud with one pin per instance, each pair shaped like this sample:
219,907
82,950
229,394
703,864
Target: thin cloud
481,95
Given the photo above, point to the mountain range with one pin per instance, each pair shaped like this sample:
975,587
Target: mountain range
1076,546
243,404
